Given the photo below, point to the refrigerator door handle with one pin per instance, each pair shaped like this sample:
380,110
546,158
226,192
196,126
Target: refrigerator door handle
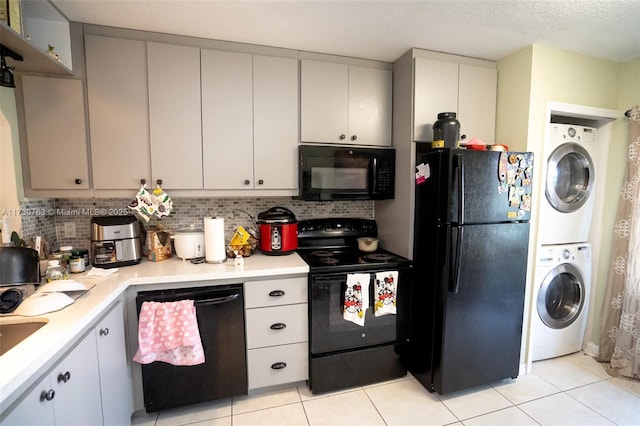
459,167
454,272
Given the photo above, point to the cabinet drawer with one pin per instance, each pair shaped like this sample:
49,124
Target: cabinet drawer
275,292
278,325
278,365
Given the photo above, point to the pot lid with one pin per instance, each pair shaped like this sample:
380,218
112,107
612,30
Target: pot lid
277,215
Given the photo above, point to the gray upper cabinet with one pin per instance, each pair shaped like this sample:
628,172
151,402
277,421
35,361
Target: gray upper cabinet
275,122
227,119
324,102
56,133
249,121
436,90
370,100
466,89
118,112
175,115
345,104
477,102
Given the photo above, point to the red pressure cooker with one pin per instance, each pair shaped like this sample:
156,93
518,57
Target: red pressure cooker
278,231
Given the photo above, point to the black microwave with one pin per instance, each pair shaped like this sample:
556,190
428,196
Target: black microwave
346,173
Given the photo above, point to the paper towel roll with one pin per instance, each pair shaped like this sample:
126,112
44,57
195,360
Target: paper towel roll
5,230
214,240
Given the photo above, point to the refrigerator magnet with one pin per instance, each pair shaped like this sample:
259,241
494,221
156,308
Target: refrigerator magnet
423,173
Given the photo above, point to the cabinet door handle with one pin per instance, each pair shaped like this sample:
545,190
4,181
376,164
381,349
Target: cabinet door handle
47,395
104,331
354,137
78,181
64,377
278,326
276,293
342,136
247,181
260,182
278,365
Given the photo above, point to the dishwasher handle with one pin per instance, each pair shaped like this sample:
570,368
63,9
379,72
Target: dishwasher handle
216,300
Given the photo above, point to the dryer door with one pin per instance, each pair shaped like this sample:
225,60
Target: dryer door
570,177
561,296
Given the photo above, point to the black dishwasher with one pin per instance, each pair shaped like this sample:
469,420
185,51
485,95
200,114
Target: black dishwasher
220,315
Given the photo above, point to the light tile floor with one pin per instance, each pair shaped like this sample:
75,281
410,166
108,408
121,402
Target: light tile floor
565,391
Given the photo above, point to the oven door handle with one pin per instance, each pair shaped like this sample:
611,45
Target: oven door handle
217,300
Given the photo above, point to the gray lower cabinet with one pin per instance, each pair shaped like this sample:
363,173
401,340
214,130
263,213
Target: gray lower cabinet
68,394
90,385
115,380
277,331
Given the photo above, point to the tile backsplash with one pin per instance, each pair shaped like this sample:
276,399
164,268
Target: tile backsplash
48,217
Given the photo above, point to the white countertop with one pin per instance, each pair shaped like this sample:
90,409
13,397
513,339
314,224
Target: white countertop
24,363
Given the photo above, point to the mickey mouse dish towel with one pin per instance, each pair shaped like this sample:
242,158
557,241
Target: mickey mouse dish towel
356,298
386,288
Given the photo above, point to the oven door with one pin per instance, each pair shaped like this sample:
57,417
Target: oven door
330,332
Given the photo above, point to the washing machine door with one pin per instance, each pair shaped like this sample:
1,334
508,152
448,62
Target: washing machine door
561,296
570,177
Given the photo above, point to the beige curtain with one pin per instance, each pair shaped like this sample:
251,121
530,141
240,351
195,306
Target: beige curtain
620,332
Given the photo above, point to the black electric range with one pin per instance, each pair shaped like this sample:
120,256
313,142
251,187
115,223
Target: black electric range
344,353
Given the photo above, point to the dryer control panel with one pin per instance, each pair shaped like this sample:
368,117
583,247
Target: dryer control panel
578,253
564,133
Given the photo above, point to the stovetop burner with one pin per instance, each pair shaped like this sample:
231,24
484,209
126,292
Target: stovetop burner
328,260
322,253
378,257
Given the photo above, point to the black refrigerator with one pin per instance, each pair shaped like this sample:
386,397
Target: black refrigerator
472,211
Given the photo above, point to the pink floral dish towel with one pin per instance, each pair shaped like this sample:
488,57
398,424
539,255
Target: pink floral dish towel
168,332
356,298
386,288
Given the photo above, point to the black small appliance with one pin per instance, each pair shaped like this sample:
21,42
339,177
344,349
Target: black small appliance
346,173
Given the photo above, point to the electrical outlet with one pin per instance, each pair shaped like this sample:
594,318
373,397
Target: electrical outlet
69,230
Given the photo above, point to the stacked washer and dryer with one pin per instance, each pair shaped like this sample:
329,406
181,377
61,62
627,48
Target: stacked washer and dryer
563,268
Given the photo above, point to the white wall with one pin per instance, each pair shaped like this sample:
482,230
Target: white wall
628,95
527,82
10,172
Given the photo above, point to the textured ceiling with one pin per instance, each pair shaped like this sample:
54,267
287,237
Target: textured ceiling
384,30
